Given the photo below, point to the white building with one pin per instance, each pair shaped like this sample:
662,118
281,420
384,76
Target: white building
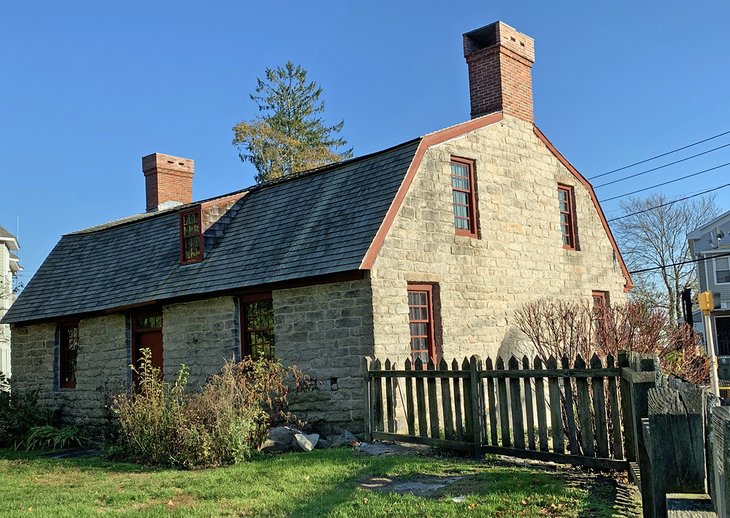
710,244
9,266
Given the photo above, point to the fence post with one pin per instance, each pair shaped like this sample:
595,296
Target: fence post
675,444
476,404
640,384
721,459
366,399
711,402
626,409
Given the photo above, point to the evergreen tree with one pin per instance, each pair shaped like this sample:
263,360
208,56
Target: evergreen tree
289,135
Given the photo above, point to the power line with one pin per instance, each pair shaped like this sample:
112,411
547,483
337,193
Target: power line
659,156
661,166
698,260
670,202
667,182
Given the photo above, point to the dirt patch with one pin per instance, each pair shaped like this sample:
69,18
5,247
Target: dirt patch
391,448
427,486
75,453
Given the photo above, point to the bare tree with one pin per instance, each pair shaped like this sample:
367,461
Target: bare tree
654,235
563,328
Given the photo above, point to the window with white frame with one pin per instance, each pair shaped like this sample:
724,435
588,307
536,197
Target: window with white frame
722,270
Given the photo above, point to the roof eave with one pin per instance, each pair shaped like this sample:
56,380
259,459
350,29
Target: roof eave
10,242
699,232
629,281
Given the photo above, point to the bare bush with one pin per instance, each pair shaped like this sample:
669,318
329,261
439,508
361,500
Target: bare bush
559,328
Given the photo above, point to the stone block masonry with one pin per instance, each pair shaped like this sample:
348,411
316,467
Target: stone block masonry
202,335
326,330
102,368
518,256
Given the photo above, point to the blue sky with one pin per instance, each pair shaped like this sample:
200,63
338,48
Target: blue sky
88,88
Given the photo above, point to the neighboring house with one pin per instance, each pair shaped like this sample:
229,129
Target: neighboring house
425,249
9,267
711,244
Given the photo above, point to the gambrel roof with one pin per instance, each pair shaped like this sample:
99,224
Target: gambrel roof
318,223
328,221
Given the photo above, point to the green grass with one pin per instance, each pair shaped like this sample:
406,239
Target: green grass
321,483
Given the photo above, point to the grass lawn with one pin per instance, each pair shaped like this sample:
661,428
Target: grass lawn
321,483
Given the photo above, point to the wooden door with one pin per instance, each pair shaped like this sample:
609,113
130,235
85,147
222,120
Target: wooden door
151,340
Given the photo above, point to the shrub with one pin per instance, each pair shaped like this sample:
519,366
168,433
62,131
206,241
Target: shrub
558,328
162,424
18,414
50,437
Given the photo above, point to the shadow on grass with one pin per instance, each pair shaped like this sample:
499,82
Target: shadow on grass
504,490
325,500
327,482
609,498
87,463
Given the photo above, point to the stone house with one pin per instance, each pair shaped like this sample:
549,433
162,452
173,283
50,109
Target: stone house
9,267
710,244
423,249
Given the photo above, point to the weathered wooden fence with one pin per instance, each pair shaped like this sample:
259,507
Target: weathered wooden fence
685,453
569,412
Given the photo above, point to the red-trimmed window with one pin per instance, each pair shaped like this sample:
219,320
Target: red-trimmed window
600,299
600,313
257,326
463,198
68,350
567,216
420,321
191,236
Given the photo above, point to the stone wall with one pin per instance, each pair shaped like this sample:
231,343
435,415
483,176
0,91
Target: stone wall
326,330
519,256
102,368
201,334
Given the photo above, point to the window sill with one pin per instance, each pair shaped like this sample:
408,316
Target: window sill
464,233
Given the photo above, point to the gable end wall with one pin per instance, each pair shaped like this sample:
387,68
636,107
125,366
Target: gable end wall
518,258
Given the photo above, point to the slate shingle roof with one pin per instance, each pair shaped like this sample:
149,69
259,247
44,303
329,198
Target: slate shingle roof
319,223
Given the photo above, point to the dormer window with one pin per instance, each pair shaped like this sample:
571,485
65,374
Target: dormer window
191,236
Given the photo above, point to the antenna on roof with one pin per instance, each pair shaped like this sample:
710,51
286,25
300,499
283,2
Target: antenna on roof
715,240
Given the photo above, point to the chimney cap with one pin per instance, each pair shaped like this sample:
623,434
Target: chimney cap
499,33
169,163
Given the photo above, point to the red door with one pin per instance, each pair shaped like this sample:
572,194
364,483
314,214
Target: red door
151,340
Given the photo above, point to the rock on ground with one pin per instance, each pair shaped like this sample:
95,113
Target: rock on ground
323,444
346,438
279,439
305,442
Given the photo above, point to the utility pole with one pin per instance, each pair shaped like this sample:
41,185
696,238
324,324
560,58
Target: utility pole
707,304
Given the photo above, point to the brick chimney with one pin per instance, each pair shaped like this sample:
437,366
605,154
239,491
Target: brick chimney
500,71
168,179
